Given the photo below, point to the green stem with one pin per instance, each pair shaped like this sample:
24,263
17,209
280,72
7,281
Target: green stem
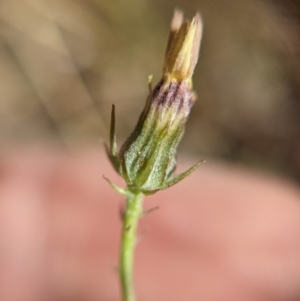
130,221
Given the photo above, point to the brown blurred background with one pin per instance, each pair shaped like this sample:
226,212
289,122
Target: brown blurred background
63,64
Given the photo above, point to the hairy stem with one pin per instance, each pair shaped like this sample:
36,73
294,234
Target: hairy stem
132,214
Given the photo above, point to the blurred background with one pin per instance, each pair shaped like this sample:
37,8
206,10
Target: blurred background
227,233
64,63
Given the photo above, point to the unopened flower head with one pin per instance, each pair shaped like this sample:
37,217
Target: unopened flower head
183,47
147,159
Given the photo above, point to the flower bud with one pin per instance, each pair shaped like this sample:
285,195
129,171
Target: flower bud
147,159
183,47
